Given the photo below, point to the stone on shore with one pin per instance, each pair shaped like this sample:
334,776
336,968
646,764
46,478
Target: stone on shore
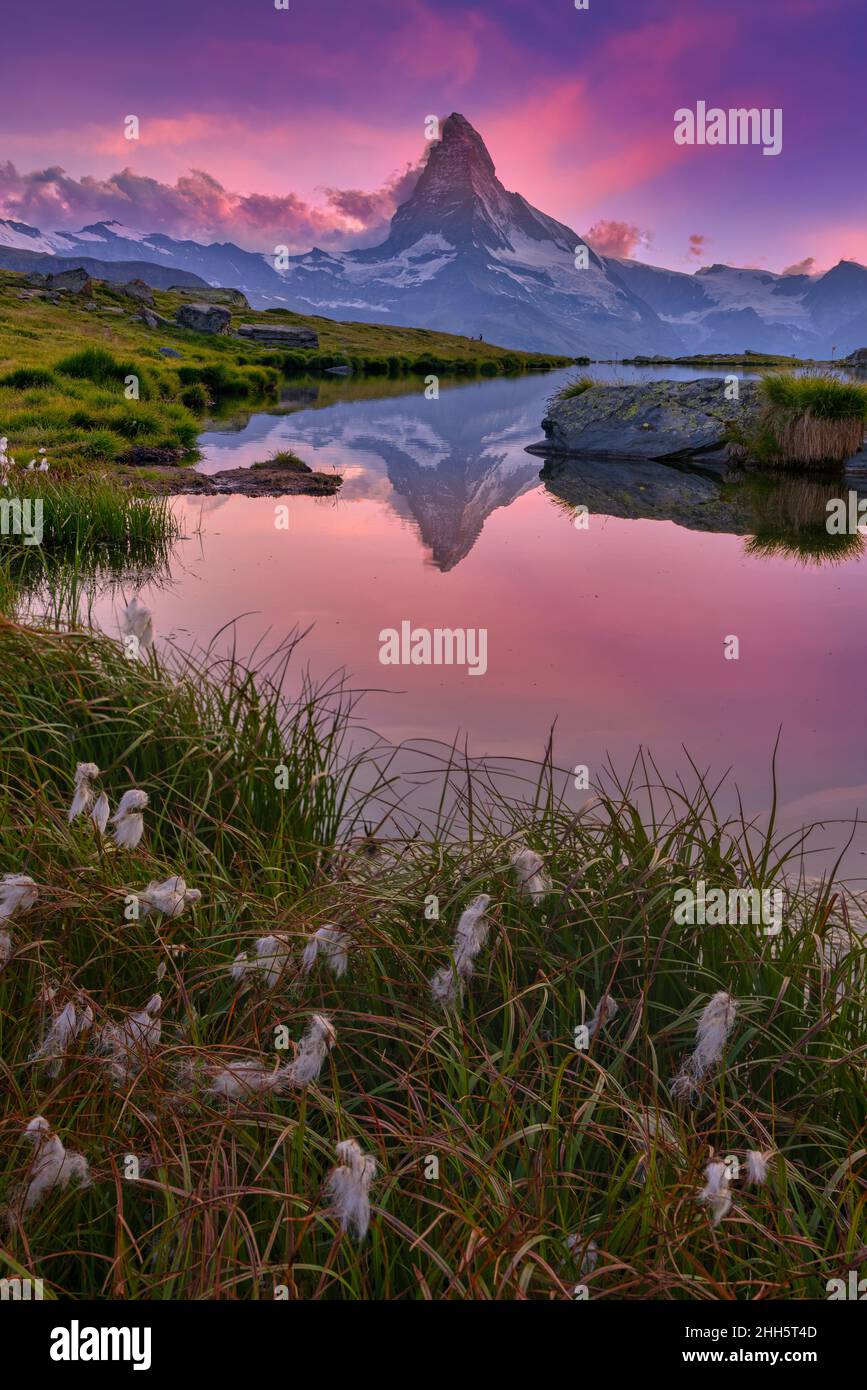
214,295
204,318
278,335
648,420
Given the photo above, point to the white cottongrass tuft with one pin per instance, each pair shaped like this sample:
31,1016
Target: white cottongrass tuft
137,621
530,876
18,893
584,1252
606,1010
100,812
447,985
315,1045
333,944
714,1027
85,793
170,898
52,1165
715,1192
237,1080
128,820
757,1167
71,1023
348,1186
130,1043
269,964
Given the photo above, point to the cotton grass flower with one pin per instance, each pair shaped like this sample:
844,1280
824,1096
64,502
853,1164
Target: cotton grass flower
18,894
128,820
333,945
757,1167
269,963
715,1193
714,1027
137,622
530,876
448,984
169,899
314,1047
85,793
52,1165
585,1253
348,1186
100,812
70,1024
130,1043
238,1080
606,1010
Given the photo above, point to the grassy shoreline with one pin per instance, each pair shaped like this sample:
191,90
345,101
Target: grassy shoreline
536,1142
65,370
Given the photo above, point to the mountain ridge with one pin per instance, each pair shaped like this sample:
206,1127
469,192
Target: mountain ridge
465,255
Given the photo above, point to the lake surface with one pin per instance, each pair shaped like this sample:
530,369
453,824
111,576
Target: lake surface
616,631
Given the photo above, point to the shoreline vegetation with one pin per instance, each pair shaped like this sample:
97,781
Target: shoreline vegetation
100,378
491,1122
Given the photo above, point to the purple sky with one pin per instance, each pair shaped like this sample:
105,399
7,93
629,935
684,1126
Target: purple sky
266,126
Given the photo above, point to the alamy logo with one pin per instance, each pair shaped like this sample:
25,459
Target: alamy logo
847,516
22,1290
77,1343
851,1288
19,518
737,126
717,907
440,646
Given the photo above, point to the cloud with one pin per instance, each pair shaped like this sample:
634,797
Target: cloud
697,243
616,238
805,267
199,207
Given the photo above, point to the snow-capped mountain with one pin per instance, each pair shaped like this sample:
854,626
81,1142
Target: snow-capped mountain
723,308
464,255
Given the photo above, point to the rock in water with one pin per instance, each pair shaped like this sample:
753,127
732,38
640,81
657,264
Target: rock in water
650,420
278,335
204,318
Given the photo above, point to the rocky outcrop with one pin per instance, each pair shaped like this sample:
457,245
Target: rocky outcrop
278,335
856,359
649,420
139,291
70,281
216,295
204,318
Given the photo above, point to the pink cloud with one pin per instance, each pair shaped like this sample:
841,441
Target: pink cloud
198,206
616,238
697,244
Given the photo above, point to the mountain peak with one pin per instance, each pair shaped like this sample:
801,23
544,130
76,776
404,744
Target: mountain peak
461,139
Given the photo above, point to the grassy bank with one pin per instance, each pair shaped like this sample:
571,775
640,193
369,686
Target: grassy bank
535,1140
804,422
65,371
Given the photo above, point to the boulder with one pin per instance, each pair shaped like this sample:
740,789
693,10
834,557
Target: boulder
233,298
278,335
204,318
71,281
138,290
648,420
170,352
858,358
